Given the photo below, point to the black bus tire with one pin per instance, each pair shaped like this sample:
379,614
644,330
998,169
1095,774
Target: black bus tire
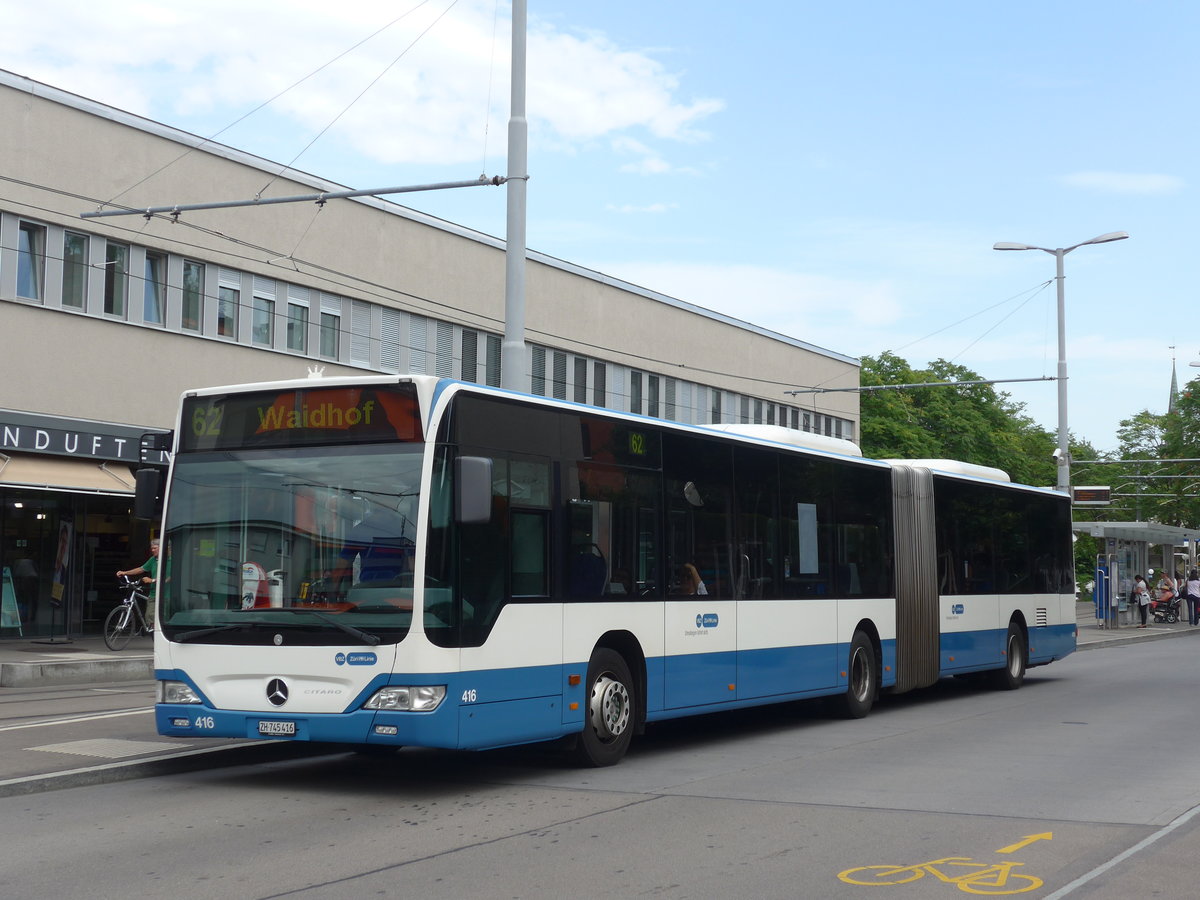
863,679
1012,675
610,712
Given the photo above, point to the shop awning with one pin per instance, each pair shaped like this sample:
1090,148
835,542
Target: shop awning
85,476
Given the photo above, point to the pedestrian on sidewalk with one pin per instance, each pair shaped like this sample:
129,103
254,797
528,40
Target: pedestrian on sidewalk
1168,587
1191,591
1141,596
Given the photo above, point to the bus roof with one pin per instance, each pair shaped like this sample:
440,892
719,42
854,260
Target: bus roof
954,467
793,438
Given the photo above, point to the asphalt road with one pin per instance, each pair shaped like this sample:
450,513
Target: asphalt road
1078,785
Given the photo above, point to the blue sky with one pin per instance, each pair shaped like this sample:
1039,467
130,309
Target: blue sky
835,172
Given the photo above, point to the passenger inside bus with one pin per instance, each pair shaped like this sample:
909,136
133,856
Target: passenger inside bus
689,581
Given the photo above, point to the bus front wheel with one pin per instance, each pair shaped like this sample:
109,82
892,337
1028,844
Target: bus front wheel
609,716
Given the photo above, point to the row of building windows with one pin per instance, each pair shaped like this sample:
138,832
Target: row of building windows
92,275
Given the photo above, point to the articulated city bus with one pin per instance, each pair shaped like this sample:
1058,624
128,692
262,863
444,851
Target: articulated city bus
415,561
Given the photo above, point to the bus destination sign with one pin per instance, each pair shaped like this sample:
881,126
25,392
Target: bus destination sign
303,417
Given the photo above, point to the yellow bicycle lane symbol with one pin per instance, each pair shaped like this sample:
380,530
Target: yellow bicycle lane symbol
970,876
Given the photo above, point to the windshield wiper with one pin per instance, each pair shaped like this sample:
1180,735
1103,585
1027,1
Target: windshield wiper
215,629
357,633
364,636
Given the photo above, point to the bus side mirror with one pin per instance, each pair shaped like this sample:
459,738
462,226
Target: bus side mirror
145,495
473,476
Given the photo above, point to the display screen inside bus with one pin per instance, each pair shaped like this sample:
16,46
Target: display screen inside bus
305,417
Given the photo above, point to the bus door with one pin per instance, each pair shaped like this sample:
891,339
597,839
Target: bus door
700,609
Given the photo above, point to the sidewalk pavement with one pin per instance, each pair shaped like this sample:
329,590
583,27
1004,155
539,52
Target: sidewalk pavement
35,663
1092,632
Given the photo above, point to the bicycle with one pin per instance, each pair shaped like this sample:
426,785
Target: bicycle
127,619
983,879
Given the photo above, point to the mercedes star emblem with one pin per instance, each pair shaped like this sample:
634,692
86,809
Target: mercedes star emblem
277,691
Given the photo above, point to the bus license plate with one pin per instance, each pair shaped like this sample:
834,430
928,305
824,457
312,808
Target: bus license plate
277,728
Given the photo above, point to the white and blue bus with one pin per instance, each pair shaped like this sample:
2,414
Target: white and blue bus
408,560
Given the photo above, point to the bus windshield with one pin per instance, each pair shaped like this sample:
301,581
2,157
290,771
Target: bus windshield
309,546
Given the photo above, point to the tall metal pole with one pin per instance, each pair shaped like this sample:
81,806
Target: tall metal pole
513,374
1063,454
1064,450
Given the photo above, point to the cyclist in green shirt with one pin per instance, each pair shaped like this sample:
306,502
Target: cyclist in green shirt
149,572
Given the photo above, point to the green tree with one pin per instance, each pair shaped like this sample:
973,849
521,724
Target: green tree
975,424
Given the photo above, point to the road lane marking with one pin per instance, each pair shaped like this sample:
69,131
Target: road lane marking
1027,840
1121,857
88,717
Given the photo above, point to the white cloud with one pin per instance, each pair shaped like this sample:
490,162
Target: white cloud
1124,182
650,163
431,80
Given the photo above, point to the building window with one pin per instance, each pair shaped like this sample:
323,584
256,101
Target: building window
297,328
227,311
443,360
391,324
31,261
262,326
331,335
492,363
537,371
75,270
559,386
418,344
154,289
599,384
716,406
470,355
580,380
116,278
744,416
635,392
652,395
360,333
193,296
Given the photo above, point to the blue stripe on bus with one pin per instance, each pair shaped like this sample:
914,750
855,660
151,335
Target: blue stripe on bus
1050,643
973,651
502,707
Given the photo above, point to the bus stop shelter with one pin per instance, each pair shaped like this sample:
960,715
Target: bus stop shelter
1124,551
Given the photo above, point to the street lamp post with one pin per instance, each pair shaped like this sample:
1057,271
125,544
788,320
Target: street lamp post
1063,454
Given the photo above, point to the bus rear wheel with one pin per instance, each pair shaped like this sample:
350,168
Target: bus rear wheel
1012,676
863,679
610,713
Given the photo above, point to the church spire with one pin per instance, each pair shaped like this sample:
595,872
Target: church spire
1174,385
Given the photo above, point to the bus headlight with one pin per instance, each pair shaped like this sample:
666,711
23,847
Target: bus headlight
410,698
176,692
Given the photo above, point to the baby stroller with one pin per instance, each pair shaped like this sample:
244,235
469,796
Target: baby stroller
1165,610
